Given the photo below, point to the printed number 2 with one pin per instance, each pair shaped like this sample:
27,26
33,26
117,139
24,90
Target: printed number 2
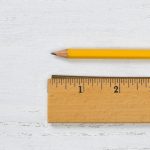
116,89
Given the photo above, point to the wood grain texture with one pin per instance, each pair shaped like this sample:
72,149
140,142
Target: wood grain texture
98,100
29,31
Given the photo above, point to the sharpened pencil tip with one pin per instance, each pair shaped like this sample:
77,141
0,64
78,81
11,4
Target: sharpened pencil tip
53,53
61,53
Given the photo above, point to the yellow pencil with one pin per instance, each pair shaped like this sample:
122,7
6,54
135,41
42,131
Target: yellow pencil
104,53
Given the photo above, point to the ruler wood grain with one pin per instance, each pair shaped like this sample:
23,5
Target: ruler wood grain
99,99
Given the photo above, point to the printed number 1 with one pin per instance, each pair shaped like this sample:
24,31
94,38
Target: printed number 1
80,89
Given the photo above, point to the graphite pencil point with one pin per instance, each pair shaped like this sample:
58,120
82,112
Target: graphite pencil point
53,53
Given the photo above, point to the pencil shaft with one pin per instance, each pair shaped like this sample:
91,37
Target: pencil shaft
109,53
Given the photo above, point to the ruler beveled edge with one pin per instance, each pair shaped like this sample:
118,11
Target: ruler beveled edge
72,76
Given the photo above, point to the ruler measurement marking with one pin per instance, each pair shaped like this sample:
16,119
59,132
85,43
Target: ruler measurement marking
61,81
79,81
115,80
146,83
70,81
56,83
92,82
106,80
65,84
110,83
141,81
128,83
103,82
88,81
123,82
119,85
137,85
73,83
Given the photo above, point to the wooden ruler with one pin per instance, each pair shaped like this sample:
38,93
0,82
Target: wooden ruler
99,99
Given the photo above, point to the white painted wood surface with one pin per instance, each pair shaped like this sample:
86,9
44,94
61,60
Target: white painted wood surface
29,31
